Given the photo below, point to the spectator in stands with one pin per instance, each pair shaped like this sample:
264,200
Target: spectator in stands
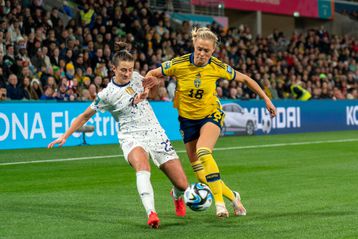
233,93
93,91
306,55
48,94
38,61
85,95
9,63
35,89
14,90
2,79
26,86
3,94
87,14
352,94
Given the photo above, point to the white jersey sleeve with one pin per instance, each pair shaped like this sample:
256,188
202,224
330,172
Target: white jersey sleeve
101,103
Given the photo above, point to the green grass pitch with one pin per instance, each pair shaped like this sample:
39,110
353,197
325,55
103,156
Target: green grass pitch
293,186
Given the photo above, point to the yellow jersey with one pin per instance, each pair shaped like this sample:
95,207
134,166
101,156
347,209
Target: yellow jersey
195,96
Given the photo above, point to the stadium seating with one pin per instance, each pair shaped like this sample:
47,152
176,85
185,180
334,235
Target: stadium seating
63,53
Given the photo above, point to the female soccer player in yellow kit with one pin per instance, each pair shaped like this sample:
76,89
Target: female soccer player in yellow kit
200,112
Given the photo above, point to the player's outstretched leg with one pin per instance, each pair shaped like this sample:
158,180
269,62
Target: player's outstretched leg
213,179
234,197
174,171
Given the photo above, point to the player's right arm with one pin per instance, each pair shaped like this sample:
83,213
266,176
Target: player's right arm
77,123
152,78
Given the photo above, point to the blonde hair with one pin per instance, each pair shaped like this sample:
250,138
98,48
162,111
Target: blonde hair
205,34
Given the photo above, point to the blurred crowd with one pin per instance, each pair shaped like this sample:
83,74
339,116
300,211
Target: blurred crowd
43,58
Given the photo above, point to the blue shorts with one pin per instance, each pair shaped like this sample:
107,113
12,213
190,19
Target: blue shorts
190,129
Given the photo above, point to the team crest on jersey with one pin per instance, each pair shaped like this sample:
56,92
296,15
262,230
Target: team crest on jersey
197,81
130,90
167,65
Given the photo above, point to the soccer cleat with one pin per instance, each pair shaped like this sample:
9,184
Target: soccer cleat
239,209
221,211
179,204
153,220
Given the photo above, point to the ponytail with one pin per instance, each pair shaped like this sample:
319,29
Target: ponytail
122,53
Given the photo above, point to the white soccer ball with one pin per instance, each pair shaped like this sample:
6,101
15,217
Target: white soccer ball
198,197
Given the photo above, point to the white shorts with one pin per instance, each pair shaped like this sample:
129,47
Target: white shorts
160,151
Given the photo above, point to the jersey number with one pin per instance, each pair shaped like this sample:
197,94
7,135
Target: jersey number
198,94
167,145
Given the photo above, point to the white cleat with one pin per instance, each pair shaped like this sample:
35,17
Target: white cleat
221,211
239,209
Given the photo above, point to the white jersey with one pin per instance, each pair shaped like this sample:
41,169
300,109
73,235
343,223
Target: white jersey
138,125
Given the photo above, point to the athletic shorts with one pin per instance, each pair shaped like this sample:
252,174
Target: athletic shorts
159,149
190,129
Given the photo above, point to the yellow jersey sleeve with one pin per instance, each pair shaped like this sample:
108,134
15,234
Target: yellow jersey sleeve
227,72
168,69
224,70
171,68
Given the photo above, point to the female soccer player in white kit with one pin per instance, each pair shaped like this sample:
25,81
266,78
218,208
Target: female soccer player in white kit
140,134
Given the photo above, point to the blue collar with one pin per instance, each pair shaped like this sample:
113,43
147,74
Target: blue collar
191,59
119,85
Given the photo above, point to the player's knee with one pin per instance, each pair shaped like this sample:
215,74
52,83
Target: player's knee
141,165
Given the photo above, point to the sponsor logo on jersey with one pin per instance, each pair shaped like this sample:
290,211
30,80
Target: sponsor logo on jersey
130,90
197,81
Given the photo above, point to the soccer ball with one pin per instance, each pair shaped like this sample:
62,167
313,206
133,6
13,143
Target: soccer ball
198,197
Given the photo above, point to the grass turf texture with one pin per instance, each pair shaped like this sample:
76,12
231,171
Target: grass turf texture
292,191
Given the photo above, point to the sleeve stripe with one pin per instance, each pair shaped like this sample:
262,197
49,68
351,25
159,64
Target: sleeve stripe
220,65
234,75
178,62
182,58
162,70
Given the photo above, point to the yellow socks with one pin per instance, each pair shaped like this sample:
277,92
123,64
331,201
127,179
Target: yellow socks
212,174
200,175
199,171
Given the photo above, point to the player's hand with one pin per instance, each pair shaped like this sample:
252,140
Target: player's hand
150,82
141,96
60,141
271,108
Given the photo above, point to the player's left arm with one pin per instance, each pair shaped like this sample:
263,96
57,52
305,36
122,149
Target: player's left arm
77,123
257,89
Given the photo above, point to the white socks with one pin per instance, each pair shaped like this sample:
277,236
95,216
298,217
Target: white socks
145,190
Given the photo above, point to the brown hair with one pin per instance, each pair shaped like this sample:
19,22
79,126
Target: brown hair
122,53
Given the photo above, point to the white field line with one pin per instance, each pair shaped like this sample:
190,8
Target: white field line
183,151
